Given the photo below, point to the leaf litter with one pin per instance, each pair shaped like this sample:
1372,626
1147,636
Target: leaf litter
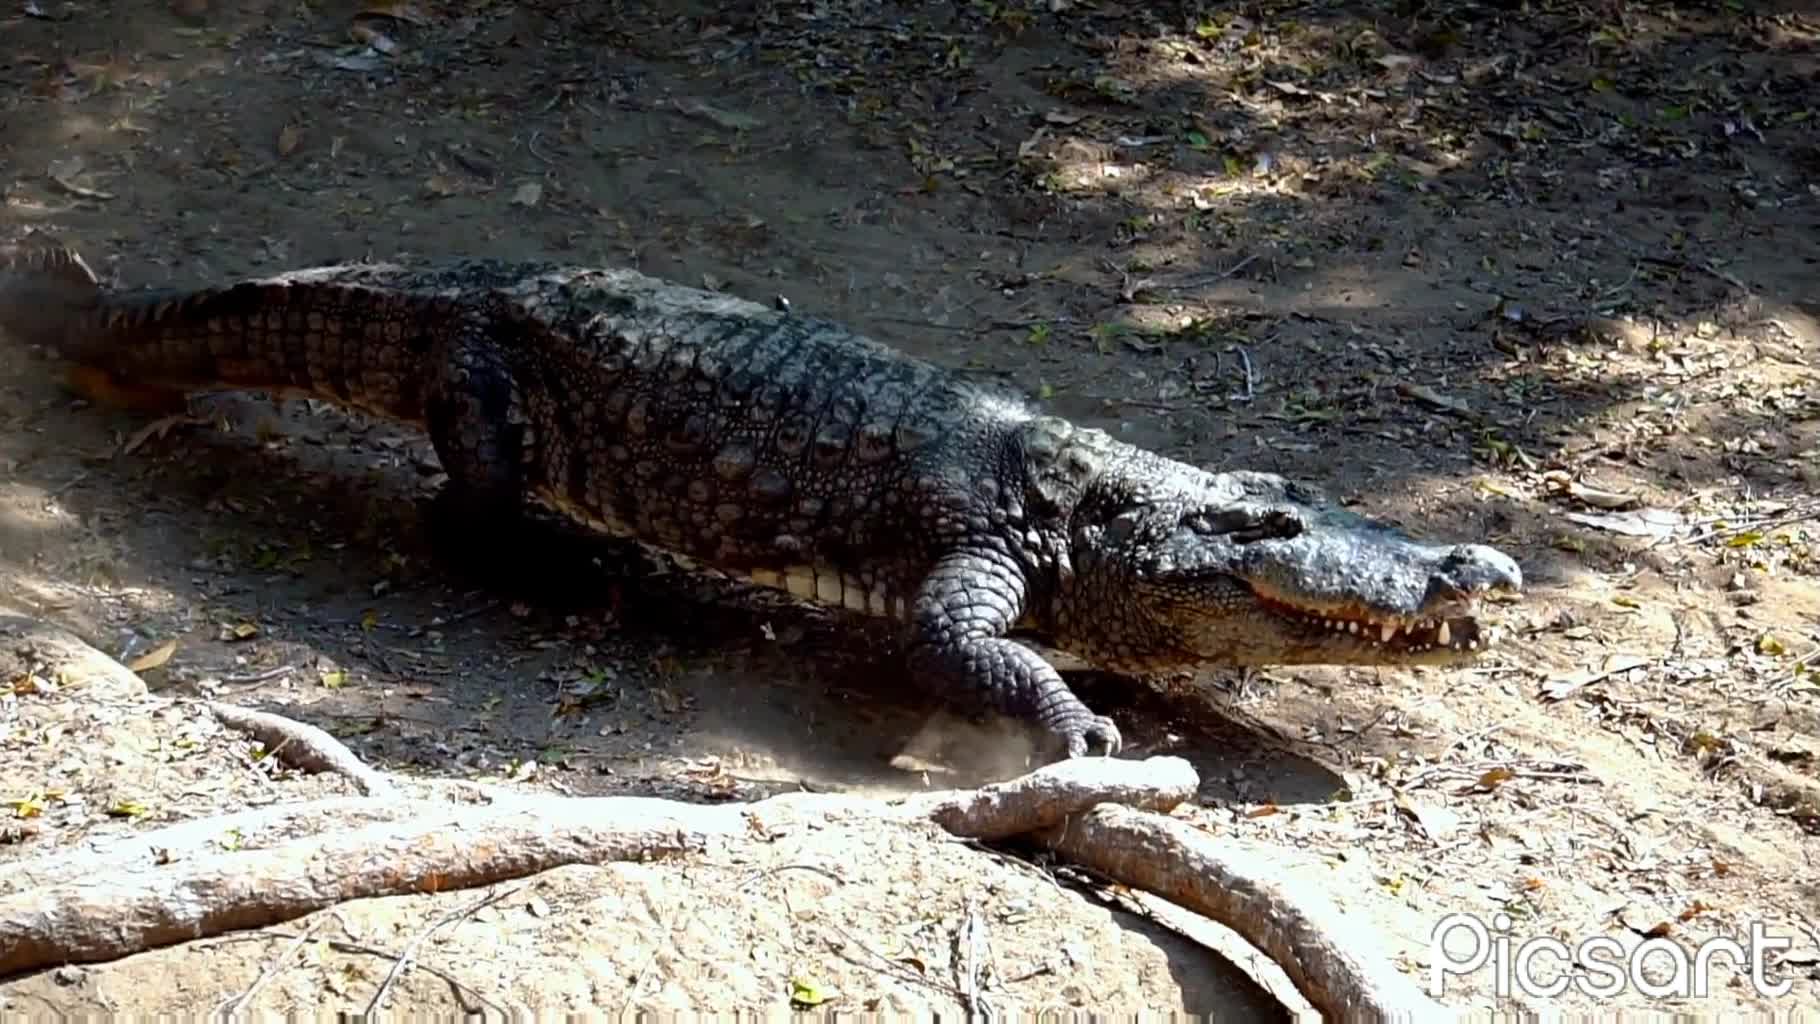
1309,142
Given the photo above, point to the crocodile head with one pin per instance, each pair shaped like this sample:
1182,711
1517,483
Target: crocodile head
1192,568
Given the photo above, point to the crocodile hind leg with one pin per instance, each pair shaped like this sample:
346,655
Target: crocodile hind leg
106,389
477,523
958,646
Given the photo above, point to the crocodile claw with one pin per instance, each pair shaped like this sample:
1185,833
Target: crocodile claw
1095,730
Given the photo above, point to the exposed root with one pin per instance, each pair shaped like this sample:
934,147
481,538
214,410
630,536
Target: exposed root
182,882
302,746
1331,958
104,918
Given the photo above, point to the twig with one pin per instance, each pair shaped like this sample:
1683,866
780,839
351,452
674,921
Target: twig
892,967
468,613
410,951
531,147
1731,526
1250,377
58,491
1706,265
970,985
925,324
768,872
259,677
1212,278
347,946
271,970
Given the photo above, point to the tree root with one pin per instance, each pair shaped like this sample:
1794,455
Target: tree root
177,884
1331,959
302,746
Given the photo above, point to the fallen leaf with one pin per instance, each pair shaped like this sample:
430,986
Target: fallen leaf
27,807
720,118
1495,777
369,61
1561,689
289,138
441,186
128,809
805,992
154,658
372,37
158,428
1436,822
1646,522
1429,396
404,12
1598,498
528,194
66,174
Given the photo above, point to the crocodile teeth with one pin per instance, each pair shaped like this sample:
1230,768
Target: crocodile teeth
1443,636
1390,632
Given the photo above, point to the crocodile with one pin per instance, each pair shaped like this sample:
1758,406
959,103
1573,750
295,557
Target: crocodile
793,452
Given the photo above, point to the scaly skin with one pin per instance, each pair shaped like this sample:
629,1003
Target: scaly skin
793,452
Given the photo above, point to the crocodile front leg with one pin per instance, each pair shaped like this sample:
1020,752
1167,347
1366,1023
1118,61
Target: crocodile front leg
958,646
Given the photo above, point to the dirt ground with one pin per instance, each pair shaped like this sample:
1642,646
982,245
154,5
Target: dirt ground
1541,275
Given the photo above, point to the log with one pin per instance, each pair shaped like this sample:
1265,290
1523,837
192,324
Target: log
1331,958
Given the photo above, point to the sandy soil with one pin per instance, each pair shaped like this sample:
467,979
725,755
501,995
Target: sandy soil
1540,275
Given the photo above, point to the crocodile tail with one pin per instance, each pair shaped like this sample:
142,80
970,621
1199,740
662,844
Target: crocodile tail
46,288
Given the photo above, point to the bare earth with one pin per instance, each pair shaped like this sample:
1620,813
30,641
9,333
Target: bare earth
1540,275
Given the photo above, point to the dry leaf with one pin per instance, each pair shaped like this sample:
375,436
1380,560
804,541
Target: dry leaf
1643,522
158,428
1429,396
289,138
372,37
721,118
1602,499
1561,689
404,12
1495,777
441,186
1436,822
528,194
154,658
66,175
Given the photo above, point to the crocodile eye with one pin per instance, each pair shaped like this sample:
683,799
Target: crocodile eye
1246,524
1273,525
